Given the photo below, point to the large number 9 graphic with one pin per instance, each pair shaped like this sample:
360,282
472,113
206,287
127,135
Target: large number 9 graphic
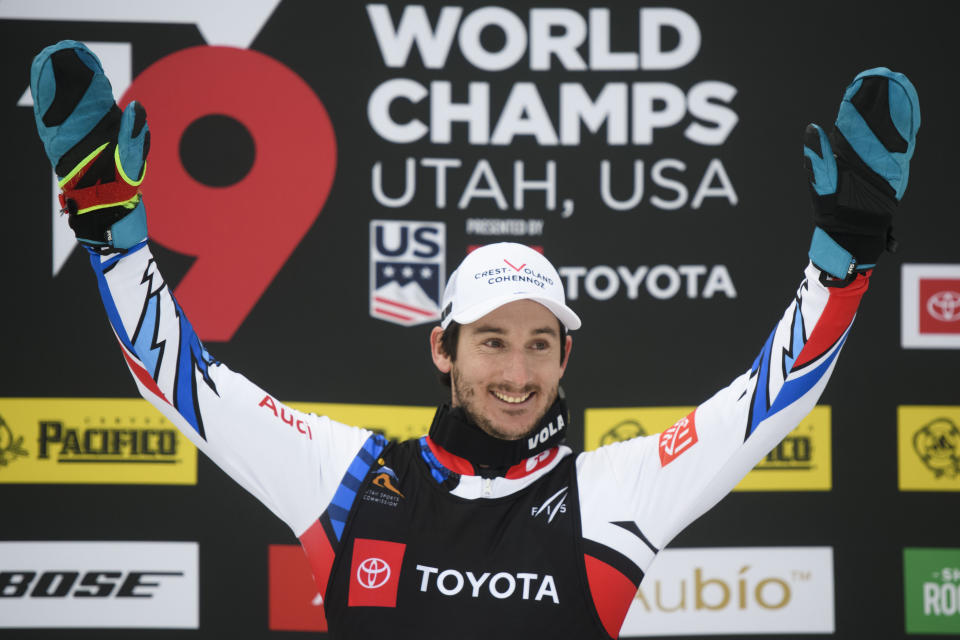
241,234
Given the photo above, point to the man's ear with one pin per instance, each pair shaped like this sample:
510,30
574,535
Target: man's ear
440,357
566,354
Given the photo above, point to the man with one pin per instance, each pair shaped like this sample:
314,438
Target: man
490,525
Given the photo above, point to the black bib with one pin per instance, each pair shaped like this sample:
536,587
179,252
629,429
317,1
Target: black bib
418,562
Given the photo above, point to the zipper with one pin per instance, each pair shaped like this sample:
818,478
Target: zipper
487,487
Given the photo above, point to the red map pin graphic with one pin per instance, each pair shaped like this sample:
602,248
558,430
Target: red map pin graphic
241,234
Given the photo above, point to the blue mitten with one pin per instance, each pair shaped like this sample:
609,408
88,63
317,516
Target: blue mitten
98,153
858,173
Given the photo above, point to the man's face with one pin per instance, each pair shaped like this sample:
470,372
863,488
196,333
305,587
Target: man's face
507,369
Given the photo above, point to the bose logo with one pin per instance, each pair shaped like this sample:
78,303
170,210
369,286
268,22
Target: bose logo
94,584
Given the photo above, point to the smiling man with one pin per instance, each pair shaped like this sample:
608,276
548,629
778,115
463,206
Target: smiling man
503,341
489,526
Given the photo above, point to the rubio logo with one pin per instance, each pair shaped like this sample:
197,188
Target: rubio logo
740,590
938,446
10,446
407,270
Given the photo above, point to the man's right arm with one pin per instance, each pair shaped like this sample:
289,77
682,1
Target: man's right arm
293,462
290,460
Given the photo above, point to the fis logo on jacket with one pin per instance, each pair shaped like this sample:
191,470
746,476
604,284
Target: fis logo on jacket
552,506
407,270
110,441
929,448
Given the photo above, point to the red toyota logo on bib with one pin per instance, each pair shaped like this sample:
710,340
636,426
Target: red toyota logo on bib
375,573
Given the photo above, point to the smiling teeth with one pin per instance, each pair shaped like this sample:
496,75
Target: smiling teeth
511,399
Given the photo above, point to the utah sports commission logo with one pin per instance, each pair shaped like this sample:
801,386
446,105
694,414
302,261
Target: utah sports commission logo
407,270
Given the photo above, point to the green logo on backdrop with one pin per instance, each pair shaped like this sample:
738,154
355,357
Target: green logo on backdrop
931,581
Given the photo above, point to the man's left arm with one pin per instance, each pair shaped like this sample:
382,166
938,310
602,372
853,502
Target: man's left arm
637,495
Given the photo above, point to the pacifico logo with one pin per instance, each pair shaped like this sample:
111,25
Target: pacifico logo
110,441
106,444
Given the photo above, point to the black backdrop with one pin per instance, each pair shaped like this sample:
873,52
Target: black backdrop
310,337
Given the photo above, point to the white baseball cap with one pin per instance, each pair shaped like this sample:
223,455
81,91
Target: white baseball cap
496,274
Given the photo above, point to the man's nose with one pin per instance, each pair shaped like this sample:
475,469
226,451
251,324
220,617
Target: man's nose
516,369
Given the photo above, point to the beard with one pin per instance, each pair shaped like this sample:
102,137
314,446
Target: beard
464,397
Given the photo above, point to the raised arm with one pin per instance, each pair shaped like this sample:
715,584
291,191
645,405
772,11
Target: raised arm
293,462
637,495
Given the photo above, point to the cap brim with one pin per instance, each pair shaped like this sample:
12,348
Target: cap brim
563,313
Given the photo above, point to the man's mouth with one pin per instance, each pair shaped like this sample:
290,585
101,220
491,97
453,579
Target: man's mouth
511,398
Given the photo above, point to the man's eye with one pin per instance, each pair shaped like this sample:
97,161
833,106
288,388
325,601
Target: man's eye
495,343
541,345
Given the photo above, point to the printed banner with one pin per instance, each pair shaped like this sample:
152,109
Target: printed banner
91,441
929,448
719,591
125,585
931,587
930,306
